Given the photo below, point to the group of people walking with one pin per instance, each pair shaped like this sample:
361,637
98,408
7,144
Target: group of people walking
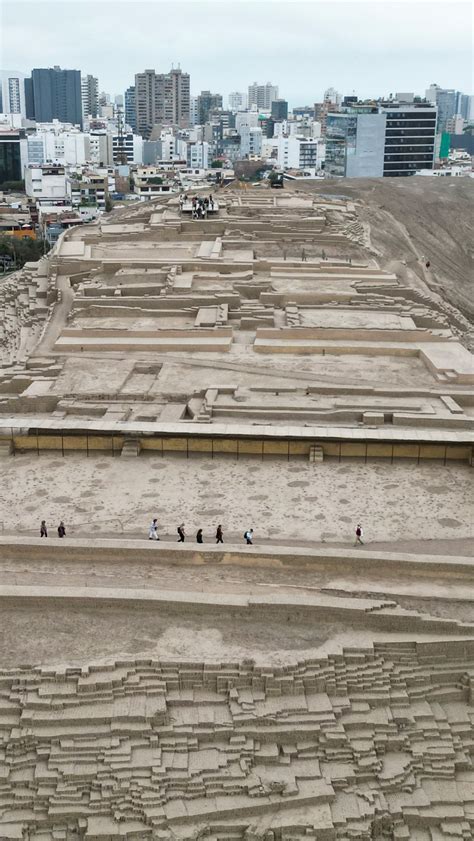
181,531
199,205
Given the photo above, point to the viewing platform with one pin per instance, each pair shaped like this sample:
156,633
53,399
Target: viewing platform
211,210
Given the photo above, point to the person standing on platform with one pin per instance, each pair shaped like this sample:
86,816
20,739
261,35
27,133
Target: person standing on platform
181,533
199,536
249,536
219,534
43,529
61,529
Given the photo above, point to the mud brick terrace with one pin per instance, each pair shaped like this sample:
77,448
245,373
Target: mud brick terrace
265,367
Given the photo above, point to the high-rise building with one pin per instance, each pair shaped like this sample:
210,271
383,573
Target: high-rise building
55,94
463,105
262,95
193,111
130,115
89,96
177,98
384,140
13,155
147,101
12,92
331,95
238,101
446,100
207,102
161,98
279,109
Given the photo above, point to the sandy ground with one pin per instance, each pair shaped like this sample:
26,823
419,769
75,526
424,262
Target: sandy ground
287,502
58,634
430,217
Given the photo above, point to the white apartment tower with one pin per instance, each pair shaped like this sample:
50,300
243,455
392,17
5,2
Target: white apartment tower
12,92
262,96
89,96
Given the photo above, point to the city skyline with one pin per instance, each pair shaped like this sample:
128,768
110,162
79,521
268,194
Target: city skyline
315,52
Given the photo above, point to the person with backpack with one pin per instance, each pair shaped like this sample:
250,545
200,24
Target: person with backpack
358,535
248,537
181,533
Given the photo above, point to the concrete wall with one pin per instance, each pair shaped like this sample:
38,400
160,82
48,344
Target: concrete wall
237,447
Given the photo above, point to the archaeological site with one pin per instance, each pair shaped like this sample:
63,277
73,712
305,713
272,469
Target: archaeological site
296,363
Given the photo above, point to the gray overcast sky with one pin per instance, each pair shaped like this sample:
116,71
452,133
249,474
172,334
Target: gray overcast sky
368,47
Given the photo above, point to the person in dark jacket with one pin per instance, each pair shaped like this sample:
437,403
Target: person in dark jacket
219,534
181,533
43,529
199,536
61,529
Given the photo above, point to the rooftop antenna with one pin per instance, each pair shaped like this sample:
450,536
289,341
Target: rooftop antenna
121,154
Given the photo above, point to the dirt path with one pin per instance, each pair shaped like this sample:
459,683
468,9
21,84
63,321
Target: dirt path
58,319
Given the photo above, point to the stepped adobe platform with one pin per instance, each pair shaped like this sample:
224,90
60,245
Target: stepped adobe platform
273,310
268,367
368,736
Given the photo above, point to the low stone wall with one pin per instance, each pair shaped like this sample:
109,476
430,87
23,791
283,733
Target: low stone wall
136,552
240,447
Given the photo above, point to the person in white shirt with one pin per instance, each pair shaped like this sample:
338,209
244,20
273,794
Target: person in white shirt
153,530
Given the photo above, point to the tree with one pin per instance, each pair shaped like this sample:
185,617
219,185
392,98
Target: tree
13,186
217,164
108,204
23,250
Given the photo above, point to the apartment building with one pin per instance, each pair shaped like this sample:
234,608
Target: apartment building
388,139
295,152
52,93
237,101
12,92
47,183
13,154
262,96
207,102
89,96
161,98
129,108
251,139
